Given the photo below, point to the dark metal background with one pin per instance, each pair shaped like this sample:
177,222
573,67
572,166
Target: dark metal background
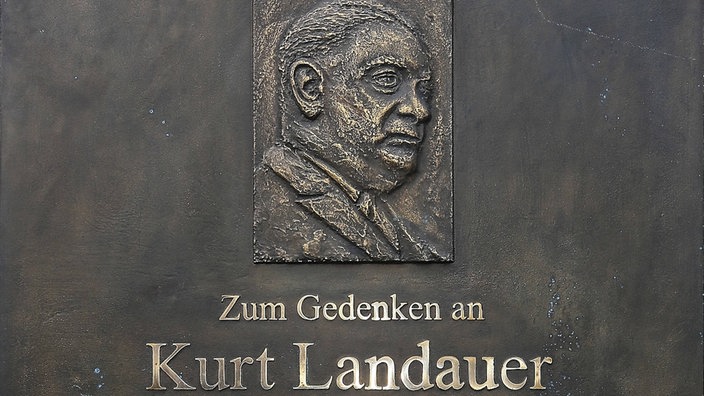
125,198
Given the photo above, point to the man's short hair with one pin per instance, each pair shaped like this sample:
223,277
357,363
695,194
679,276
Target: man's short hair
317,34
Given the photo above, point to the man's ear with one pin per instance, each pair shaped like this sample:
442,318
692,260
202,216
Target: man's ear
307,86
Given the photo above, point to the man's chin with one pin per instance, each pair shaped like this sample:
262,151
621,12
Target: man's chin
400,160
393,173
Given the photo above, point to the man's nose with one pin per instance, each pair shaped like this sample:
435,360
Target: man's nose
414,105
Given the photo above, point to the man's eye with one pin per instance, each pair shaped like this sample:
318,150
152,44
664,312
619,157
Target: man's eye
386,81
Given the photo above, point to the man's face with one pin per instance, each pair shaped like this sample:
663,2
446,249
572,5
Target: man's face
376,106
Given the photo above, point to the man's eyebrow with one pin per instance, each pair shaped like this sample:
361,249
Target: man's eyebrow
384,60
425,72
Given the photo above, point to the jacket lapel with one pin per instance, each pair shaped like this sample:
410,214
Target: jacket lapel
322,197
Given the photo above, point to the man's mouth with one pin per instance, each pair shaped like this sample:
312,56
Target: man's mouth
401,140
399,151
400,148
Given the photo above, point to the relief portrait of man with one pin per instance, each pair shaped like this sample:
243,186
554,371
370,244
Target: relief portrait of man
354,99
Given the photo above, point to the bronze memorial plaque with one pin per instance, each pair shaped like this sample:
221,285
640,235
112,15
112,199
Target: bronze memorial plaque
331,197
345,103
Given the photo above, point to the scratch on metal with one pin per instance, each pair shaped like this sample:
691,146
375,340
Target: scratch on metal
590,32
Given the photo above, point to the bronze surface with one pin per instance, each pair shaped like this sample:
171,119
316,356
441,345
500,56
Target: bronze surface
353,131
126,205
